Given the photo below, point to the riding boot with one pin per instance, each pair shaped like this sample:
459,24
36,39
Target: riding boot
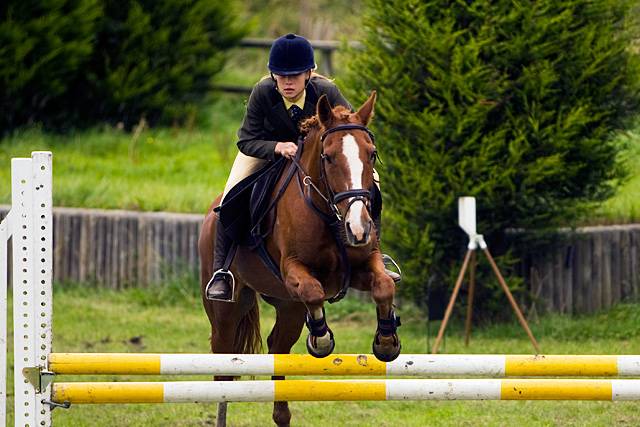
386,259
221,284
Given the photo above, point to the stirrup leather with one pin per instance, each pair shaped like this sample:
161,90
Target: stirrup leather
229,278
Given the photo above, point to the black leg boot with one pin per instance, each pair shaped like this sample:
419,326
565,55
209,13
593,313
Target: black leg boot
386,259
220,287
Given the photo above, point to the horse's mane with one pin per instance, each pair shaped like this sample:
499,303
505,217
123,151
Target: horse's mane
312,123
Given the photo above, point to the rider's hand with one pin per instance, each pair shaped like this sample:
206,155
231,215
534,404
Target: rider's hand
286,149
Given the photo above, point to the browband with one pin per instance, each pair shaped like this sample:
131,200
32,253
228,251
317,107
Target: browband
347,127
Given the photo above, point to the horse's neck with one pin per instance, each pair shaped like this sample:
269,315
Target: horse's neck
311,156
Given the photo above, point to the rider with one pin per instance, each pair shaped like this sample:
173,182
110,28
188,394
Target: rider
270,129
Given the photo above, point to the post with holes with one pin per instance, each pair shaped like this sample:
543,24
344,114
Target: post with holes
31,229
4,241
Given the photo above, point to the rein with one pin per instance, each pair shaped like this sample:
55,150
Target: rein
335,222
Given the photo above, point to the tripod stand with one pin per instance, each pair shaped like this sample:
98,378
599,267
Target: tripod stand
467,221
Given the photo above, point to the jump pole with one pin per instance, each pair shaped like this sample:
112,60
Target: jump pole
345,390
343,364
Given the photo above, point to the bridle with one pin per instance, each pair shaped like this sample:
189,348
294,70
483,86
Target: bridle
335,222
333,198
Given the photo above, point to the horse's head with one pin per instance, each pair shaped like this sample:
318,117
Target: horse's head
348,156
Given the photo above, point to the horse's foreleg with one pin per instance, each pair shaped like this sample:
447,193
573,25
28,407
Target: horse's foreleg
308,289
386,344
285,333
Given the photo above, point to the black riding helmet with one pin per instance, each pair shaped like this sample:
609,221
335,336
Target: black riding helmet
291,54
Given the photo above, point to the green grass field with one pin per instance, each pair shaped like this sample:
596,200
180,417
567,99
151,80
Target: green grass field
177,170
91,320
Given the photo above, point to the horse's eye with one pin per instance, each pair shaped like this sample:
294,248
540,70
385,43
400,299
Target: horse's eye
327,158
374,155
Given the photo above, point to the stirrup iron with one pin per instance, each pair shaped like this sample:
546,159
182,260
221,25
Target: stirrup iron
390,262
230,280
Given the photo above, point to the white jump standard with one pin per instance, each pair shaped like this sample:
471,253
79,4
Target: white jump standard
30,225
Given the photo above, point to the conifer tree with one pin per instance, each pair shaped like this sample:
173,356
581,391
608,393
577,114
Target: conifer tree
156,58
72,63
513,102
43,46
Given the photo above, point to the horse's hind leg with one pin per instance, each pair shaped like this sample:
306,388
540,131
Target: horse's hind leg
235,328
285,333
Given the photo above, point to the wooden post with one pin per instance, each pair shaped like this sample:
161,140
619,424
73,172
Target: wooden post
221,419
472,285
514,305
452,300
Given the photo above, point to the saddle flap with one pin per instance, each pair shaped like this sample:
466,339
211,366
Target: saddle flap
246,202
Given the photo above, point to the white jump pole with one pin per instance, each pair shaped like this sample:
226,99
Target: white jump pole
345,390
343,364
30,224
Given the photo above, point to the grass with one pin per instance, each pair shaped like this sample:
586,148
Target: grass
96,320
624,207
176,170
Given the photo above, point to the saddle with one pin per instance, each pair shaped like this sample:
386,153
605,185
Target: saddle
246,204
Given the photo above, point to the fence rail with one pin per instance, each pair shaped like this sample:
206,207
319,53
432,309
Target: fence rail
325,47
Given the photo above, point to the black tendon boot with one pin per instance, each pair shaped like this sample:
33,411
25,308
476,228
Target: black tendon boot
386,259
221,284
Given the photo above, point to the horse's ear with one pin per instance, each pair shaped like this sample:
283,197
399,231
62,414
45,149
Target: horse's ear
365,113
324,111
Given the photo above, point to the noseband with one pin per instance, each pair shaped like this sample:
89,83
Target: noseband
334,198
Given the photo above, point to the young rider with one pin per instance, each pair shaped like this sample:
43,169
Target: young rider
270,129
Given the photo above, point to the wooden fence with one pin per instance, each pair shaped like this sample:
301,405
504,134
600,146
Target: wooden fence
594,269
326,48
117,249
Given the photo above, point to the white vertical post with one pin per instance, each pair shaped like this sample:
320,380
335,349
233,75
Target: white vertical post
31,201
467,215
4,242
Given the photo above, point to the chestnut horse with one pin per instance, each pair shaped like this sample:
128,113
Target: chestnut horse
334,173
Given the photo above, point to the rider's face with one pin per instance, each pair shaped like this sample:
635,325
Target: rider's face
291,87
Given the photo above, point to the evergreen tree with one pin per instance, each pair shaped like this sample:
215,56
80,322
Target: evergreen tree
513,102
43,45
156,59
70,63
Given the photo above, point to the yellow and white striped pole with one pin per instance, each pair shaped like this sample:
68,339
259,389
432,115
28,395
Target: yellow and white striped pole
344,364
351,390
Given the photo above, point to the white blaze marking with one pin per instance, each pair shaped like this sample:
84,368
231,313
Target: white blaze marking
352,153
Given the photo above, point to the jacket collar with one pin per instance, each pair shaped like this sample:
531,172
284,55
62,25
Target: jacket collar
279,111
310,101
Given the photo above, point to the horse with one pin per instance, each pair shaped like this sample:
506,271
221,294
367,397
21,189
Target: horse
330,182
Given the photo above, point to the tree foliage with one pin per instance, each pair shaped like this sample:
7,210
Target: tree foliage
78,62
43,46
513,102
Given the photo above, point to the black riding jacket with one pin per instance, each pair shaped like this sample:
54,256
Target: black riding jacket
266,121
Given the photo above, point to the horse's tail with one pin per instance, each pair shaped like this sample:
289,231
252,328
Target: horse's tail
248,338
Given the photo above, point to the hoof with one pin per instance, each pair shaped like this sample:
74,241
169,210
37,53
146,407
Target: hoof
386,349
323,346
